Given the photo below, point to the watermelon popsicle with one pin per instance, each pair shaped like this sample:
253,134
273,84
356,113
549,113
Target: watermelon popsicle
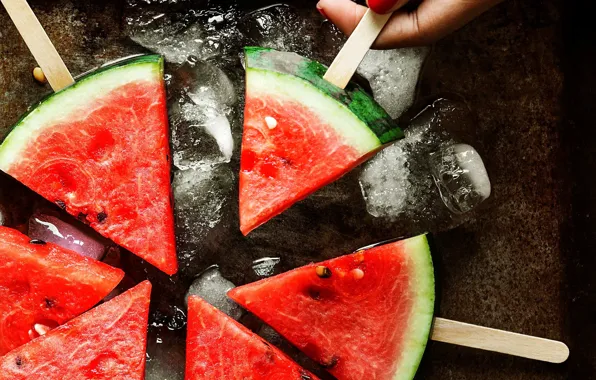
300,132
99,148
370,314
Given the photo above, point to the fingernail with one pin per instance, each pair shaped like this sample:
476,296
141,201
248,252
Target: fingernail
321,10
382,6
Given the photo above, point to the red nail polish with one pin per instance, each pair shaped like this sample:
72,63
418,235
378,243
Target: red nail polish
322,12
382,6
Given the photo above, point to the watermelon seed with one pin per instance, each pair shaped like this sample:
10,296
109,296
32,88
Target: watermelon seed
271,122
50,303
37,242
323,271
41,329
39,75
61,204
358,274
314,294
82,217
18,361
332,363
101,217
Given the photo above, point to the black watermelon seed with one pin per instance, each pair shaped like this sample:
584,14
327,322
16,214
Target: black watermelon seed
18,361
101,217
37,242
61,204
314,294
50,303
332,363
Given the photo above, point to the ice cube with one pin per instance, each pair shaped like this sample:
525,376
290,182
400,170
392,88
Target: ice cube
202,203
201,97
73,236
460,175
4,216
393,76
266,267
385,182
411,181
280,27
179,30
213,288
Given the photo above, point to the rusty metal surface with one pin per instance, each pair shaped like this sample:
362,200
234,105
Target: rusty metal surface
520,265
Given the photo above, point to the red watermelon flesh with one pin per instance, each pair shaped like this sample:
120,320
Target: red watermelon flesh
100,149
220,348
106,343
362,316
274,173
45,285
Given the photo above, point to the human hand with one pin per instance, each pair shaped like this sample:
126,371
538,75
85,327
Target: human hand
428,22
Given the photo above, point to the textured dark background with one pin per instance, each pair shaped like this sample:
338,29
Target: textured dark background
525,264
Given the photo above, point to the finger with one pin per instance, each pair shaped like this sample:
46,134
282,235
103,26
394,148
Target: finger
343,13
385,6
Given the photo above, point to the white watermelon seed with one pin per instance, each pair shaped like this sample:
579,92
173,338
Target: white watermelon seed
41,329
271,122
358,274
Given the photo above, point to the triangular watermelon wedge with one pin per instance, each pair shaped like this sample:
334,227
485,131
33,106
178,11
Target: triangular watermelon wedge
100,150
363,316
218,347
43,285
300,132
106,343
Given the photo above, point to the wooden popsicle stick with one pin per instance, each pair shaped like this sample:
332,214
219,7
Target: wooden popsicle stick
505,342
351,55
39,43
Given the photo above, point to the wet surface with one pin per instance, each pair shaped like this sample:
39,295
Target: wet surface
523,262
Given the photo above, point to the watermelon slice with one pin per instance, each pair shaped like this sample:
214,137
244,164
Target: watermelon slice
363,316
43,285
100,150
108,343
218,347
300,132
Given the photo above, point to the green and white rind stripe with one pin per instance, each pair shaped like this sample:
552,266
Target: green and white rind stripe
73,100
284,86
421,317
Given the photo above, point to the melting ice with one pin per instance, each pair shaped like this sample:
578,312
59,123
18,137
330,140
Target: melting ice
213,288
73,236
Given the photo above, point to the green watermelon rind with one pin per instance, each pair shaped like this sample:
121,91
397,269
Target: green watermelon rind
423,309
93,85
353,97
